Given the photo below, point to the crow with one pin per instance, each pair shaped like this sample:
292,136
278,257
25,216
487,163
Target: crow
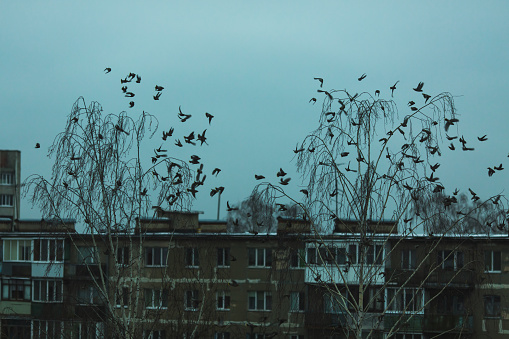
159,88
259,177
392,88
321,81
107,70
362,77
209,116
419,87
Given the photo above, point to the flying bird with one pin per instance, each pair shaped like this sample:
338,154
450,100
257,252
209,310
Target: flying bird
107,70
377,92
259,177
229,208
131,104
159,88
202,138
491,171
281,173
321,81
449,123
124,89
362,77
499,168
419,87
216,171
426,97
285,181
129,94
483,138
178,143
138,79
297,150
209,116
37,145
156,97
392,88
313,100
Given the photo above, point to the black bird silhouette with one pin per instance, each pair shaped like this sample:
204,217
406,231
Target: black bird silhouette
411,103
305,192
183,117
285,181
159,88
216,171
491,171
483,138
313,100
419,87
259,177
377,92
312,149
229,208
188,139
129,94
465,148
138,78
202,138
321,81
178,143
281,173
120,129
392,88
451,147
450,138
362,77
107,70
434,167
131,104
124,89
456,191
326,93
297,150
426,97
209,116
499,168
156,97
344,154
37,145
194,159
449,123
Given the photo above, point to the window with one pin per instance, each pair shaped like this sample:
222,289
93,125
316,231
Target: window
156,256
298,258
7,178
49,250
223,257
192,257
405,300
312,256
6,200
450,304
88,295
449,260
17,250
352,254
154,334
374,299
87,330
43,329
335,303
123,256
87,255
322,256
259,301
374,255
222,335
47,290
16,289
297,301
492,306
408,259
122,297
192,300
156,298
223,300
493,261
260,257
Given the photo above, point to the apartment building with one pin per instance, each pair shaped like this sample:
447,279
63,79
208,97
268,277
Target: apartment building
10,178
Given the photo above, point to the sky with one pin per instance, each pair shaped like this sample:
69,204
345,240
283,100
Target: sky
251,64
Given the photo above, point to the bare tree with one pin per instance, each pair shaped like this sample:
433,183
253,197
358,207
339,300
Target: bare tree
369,175
103,177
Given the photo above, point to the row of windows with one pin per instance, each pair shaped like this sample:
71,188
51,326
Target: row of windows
45,250
7,178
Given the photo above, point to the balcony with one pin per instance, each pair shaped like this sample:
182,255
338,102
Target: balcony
440,277
404,322
343,274
325,320
80,272
441,323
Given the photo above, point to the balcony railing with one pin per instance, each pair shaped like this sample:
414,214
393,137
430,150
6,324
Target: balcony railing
448,323
324,320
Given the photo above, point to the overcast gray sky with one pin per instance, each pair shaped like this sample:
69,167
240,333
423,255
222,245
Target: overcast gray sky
252,64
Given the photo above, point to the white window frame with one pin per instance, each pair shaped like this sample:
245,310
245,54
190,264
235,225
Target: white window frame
298,258
417,299
297,301
7,178
259,297
11,285
156,298
454,256
52,252
191,301
260,260
20,251
375,255
161,252
49,290
490,266
223,257
408,257
192,257
6,200
154,334
46,329
223,300
92,295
